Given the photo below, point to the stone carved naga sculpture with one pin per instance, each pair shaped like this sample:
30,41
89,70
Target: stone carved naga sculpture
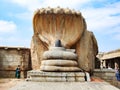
68,26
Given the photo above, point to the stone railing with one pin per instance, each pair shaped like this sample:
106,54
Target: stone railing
107,75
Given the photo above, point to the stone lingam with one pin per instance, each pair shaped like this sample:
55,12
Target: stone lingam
61,47
59,59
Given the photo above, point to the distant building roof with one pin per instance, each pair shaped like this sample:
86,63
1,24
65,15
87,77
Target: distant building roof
110,55
8,47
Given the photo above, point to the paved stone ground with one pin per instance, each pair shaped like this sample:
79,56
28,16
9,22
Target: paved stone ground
7,83
21,84
63,86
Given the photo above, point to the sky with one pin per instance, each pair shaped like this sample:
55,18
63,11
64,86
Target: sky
102,18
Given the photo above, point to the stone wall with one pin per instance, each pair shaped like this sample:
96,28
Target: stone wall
107,75
11,57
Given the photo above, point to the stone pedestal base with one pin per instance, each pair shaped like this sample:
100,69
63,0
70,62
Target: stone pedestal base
40,76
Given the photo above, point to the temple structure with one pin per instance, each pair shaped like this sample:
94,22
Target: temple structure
109,59
11,57
61,45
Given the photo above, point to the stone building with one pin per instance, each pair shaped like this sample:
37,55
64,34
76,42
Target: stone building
11,57
109,59
107,65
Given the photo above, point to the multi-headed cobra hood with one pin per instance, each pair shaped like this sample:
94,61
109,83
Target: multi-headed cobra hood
51,24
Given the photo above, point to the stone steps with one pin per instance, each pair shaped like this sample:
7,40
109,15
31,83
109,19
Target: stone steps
40,76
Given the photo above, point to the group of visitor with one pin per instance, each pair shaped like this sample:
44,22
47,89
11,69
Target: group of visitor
117,72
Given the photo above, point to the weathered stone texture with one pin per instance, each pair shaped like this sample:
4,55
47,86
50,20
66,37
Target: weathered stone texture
64,86
59,68
36,75
11,57
11,74
59,60
37,49
51,24
107,75
87,49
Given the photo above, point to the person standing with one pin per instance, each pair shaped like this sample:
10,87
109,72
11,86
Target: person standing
117,71
17,72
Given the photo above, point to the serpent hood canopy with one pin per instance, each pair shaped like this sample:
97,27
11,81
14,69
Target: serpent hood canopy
51,24
68,26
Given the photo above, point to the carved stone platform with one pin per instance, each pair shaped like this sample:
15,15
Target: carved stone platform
40,76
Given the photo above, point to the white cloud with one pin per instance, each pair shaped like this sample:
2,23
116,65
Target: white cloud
14,41
30,5
7,26
105,19
98,19
63,3
33,4
102,19
23,16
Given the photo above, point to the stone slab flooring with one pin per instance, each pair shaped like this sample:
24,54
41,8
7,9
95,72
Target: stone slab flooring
7,83
63,86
